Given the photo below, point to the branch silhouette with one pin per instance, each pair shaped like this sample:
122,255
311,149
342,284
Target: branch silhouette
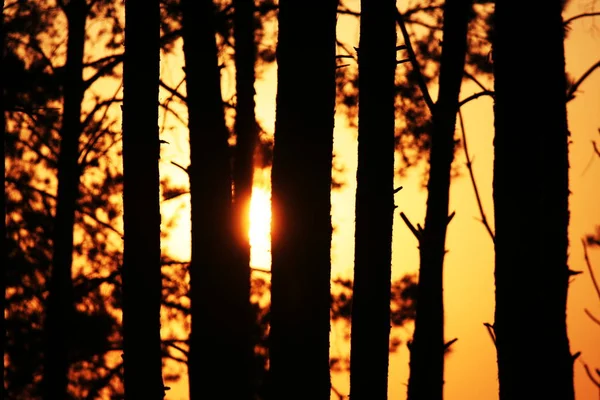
469,164
578,16
573,88
475,96
415,63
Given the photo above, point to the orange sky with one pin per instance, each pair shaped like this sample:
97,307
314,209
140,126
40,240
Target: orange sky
469,283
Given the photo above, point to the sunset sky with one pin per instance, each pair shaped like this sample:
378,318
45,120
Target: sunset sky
469,281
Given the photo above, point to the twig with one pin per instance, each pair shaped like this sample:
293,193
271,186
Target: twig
174,91
338,393
449,343
472,175
576,17
590,375
491,332
476,96
477,82
589,266
412,228
347,50
415,63
181,167
589,314
176,347
264,271
573,88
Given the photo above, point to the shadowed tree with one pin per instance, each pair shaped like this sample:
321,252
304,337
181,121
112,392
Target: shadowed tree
427,349
246,131
141,272
60,307
3,204
301,186
32,149
369,353
531,191
219,287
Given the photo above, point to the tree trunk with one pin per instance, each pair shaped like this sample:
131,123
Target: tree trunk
427,349
369,354
60,307
531,190
219,287
246,131
3,222
301,186
141,272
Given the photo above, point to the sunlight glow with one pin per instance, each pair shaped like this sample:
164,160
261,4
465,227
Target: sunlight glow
260,228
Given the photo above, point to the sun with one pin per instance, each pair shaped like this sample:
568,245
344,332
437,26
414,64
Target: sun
260,228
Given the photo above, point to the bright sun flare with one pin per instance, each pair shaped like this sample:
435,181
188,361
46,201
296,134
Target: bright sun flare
260,228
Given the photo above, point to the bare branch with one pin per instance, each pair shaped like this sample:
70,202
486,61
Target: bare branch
173,91
179,348
469,164
415,231
181,167
592,317
491,332
591,376
477,82
573,88
103,70
415,63
578,16
475,96
589,266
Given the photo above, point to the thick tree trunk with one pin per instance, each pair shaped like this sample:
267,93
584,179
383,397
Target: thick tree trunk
531,190
246,131
301,186
60,307
141,205
426,380
219,287
369,354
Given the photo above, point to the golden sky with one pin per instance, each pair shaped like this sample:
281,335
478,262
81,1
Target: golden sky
469,282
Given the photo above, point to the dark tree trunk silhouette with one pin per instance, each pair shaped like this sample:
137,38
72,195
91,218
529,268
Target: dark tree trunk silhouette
219,287
531,191
59,306
369,354
427,349
246,130
141,272
3,222
301,186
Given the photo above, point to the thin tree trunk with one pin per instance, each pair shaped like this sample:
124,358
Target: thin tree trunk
246,130
219,287
427,349
60,307
141,272
301,187
531,190
3,203
369,354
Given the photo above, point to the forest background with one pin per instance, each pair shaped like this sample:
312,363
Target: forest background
469,281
